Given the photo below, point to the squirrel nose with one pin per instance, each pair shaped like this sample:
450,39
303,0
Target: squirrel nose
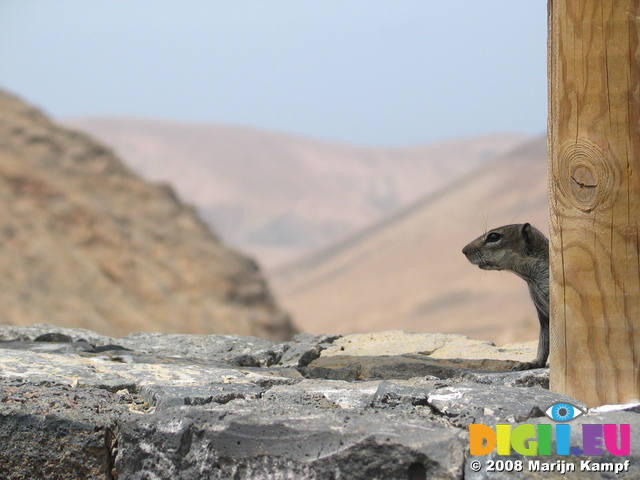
465,249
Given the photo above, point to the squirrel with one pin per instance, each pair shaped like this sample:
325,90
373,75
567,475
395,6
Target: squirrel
523,250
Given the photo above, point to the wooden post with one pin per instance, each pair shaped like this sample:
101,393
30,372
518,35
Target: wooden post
594,193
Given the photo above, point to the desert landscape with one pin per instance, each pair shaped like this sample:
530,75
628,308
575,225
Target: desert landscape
278,196
407,270
355,239
87,243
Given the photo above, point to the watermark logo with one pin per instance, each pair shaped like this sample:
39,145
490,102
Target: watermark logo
563,412
531,440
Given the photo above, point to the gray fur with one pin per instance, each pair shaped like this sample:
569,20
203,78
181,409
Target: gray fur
523,250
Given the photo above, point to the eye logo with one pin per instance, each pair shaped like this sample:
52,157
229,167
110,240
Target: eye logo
563,412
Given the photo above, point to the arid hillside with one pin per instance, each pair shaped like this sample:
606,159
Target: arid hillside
279,196
407,271
87,243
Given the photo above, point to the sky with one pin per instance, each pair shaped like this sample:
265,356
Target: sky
366,72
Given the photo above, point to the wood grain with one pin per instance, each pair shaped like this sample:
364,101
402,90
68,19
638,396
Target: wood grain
594,193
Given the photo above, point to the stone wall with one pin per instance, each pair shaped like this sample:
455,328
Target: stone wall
390,405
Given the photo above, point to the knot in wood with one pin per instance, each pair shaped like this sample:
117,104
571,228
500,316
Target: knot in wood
583,174
584,185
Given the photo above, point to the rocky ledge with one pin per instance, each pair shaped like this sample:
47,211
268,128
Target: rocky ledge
390,405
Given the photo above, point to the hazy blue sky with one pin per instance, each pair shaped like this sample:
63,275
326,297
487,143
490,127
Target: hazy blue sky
375,72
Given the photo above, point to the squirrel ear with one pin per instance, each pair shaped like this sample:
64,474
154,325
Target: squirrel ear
526,232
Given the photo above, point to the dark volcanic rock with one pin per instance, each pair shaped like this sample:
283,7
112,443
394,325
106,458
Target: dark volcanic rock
264,440
164,406
464,403
56,431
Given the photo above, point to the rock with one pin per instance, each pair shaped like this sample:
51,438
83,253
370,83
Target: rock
263,441
57,431
41,330
433,345
464,403
401,355
167,406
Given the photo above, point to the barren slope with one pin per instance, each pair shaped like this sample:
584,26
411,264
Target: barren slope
87,243
277,196
408,272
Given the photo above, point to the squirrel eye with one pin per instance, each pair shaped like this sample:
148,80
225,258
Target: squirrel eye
493,237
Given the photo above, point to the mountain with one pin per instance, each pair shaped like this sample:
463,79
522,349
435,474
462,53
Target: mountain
279,196
86,243
407,271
